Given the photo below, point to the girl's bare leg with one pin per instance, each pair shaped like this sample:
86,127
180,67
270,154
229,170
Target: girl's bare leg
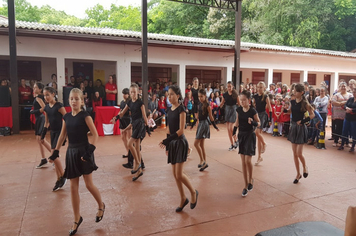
229,131
296,159
244,169
74,187
301,157
181,177
202,146
180,186
134,153
88,179
198,147
249,167
138,151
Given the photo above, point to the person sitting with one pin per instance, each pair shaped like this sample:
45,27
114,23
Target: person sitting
151,122
153,106
97,102
25,93
162,106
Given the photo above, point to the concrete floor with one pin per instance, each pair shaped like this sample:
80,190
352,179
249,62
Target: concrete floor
147,207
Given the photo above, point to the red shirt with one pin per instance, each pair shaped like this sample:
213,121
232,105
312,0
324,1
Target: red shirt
187,91
97,104
162,104
25,98
110,87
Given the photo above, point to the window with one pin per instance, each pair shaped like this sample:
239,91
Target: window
294,78
257,77
312,79
277,77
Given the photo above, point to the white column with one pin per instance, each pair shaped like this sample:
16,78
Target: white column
181,78
268,77
303,76
334,82
60,77
228,75
123,77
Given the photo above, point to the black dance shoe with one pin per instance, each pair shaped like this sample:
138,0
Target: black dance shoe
136,177
244,192
201,165
204,167
179,209
99,218
42,163
305,174
74,231
193,205
125,156
128,166
135,171
297,180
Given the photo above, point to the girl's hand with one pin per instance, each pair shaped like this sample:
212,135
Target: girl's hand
83,159
298,122
113,120
219,130
249,120
161,145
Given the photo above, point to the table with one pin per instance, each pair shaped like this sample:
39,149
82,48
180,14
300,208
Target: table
6,117
103,115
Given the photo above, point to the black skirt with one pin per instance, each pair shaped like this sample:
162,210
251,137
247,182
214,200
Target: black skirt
138,129
124,122
263,119
298,134
178,150
247,143
54,139
75,166
203,130
39,125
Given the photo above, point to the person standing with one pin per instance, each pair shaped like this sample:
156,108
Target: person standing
321,104
80,155
111,91
176,146
230,100
101,89
349,122
247,120
298,133
25,93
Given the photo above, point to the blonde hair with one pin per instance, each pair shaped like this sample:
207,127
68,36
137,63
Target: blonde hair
80,92
264,95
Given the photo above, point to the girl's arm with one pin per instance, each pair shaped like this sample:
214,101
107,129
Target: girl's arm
46,124
42,104
257,119
62,110
122,113
268,105
238,101
91,126
143,110
62,136
212,118
222,102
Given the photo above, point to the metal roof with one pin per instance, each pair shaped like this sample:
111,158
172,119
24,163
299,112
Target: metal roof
163,38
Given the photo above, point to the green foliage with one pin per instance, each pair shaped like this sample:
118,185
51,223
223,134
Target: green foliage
328,24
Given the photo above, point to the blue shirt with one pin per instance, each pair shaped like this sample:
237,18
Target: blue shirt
168,103
317,117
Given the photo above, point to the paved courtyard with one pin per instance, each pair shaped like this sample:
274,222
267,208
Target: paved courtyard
147,207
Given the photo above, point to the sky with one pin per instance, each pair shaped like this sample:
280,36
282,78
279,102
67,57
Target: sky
78,7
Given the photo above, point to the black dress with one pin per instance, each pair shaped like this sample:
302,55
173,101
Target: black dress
203,130
195,95
138,124
178,148
77,130
246,136
298,134
261,103
55,122
40,118
125,120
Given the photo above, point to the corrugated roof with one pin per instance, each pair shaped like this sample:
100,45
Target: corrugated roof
169,38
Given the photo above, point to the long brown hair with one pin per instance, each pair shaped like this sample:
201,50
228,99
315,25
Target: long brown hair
205,103
305,104
234,93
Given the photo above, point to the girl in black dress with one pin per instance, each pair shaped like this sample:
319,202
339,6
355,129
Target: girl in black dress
176,146
203,130
195,91
124,121
298,132
38,107
261,102
54,112
80,154
247,120
139,128
230,100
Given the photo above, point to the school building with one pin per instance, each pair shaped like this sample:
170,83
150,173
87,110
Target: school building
95,53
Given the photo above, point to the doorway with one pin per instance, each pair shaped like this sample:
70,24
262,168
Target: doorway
83,69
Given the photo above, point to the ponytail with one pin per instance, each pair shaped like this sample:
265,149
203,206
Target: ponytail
205,103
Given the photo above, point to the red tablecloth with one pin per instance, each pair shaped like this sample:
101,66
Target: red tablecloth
103,115
6,117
